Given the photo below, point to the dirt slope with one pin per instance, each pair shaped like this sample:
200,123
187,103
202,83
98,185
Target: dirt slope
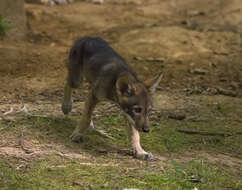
200,45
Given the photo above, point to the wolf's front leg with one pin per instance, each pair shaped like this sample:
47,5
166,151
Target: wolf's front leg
86,118
134,137
67,101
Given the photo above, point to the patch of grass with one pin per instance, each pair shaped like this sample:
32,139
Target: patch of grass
57,173
194,174
239,31
3,26
106,171
103,170
114,125
163,138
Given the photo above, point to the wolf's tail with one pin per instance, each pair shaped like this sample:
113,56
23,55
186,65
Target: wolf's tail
75,63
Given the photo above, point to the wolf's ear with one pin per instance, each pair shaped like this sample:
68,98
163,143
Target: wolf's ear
153,83
125,85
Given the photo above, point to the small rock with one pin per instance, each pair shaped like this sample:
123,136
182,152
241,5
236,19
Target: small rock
234,85
138,58
196,13
75,183
160,59
157,59
148,25
96,1
221,52
226,92
51,3
177,116
179,61
184,22
223,80
195,179
213,65
200,71
192,64
212,90
52,44
150,59
60,2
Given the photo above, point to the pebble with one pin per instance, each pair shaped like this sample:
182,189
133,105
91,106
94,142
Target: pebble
200,71
97,1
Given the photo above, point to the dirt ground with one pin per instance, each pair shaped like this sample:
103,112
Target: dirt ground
198,48
196,44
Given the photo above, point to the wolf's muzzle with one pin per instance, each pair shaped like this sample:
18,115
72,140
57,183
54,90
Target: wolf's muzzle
145,129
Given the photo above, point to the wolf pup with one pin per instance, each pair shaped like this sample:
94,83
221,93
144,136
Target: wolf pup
110,79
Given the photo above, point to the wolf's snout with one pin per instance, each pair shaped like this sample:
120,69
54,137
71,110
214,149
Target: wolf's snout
145,129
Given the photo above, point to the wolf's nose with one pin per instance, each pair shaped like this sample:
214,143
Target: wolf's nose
146,129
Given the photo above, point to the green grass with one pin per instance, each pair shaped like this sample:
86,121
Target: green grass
3,26
57,173
163,138
110,166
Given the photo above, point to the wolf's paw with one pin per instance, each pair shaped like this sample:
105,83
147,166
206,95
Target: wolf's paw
76,137
66,107
91,126
145,156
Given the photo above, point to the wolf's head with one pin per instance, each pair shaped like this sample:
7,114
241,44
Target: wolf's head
135,100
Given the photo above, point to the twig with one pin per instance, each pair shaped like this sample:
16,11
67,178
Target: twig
103,133
205,133
238,133
8,112
226,92
3,145
21,140
21,143
177,116
156,84
23,109
36,115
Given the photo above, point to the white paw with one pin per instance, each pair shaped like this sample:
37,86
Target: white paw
91,126
145,156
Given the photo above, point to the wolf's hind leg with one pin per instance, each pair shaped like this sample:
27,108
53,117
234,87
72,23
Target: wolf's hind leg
67,100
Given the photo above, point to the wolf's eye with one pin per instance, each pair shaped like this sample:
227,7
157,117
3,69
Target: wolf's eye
137,110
